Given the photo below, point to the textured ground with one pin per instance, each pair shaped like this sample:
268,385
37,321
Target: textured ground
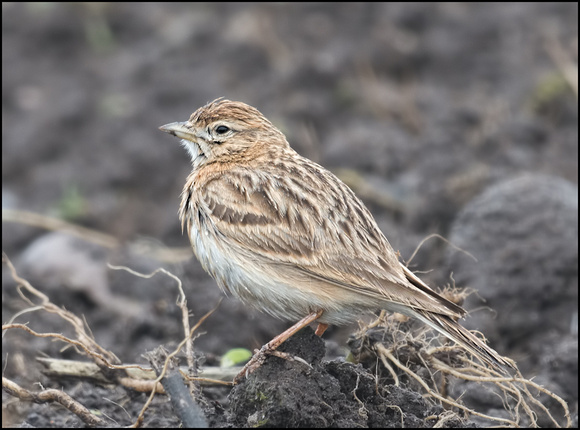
428,111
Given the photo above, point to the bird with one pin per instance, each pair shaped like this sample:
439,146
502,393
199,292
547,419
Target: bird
286,236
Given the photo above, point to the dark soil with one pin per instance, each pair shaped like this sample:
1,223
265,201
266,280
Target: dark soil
428,111
329,394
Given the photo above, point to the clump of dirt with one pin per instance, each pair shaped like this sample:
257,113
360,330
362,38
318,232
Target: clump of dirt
283,393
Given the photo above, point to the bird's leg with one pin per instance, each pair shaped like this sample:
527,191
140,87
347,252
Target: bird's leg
259,357
320,329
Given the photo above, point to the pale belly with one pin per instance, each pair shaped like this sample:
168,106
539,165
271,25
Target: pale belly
256,284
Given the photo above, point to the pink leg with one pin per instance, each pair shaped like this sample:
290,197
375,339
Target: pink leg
259,357
321,329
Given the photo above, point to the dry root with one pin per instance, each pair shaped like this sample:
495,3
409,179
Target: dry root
108,364
414,360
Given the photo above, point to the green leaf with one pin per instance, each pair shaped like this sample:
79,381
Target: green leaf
235,356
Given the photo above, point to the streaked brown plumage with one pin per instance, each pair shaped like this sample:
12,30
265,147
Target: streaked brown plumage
287,236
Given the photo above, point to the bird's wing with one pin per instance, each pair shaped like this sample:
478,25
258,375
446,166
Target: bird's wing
323,232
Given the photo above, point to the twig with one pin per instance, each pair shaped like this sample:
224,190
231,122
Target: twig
78,325
168,255
443,239
50,223
163,371
382,350
186,409
49,396
514,390
139,377
98,357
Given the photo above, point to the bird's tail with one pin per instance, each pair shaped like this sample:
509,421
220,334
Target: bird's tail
451,329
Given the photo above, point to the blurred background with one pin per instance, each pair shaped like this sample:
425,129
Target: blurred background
419,107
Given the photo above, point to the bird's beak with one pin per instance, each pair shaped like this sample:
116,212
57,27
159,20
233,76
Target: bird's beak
179,129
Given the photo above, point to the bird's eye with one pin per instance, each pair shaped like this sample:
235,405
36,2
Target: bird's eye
222,129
